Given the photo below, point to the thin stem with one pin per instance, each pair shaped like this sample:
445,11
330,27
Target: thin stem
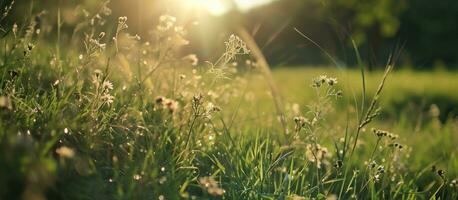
265,69
368,117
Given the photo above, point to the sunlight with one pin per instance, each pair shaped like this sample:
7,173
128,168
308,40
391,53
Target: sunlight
220,7
245,5
214,7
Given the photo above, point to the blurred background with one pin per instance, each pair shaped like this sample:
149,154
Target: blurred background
425,34
301,39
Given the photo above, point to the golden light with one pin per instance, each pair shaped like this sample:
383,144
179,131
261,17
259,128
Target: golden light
245,5
214,7
220,7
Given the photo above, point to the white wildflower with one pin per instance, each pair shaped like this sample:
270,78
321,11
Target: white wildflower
65,152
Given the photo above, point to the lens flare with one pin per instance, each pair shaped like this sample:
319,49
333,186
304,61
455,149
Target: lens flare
214,7
220,7
245,5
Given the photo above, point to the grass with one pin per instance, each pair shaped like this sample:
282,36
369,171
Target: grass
424,84
131,118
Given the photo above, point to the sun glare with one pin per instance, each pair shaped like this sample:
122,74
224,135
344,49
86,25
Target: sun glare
245,5
215,7
220,7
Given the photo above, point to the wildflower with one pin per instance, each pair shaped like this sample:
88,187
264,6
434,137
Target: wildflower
30,46
197,99
211,109
331,81
441,173
166,22
338,164
300,122
167,18
235,46
122,20
65,152
179,41
159,99
102,46
191,58
107,85
96,78
108,99
454,183
95,43
381,133
381,169
396,145
137,177
211,185
105,10
98,72
339,93
316,153
180,30
322,78
317,82
392,136
104,87
372,164
377,177
171,105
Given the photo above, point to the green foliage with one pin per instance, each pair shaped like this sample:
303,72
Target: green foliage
376,17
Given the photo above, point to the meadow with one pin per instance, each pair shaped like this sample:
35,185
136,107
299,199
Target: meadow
107,114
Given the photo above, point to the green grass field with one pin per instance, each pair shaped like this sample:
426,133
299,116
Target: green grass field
131,118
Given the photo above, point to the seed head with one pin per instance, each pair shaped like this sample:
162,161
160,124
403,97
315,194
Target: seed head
122,19
331,81
441,173
212,187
